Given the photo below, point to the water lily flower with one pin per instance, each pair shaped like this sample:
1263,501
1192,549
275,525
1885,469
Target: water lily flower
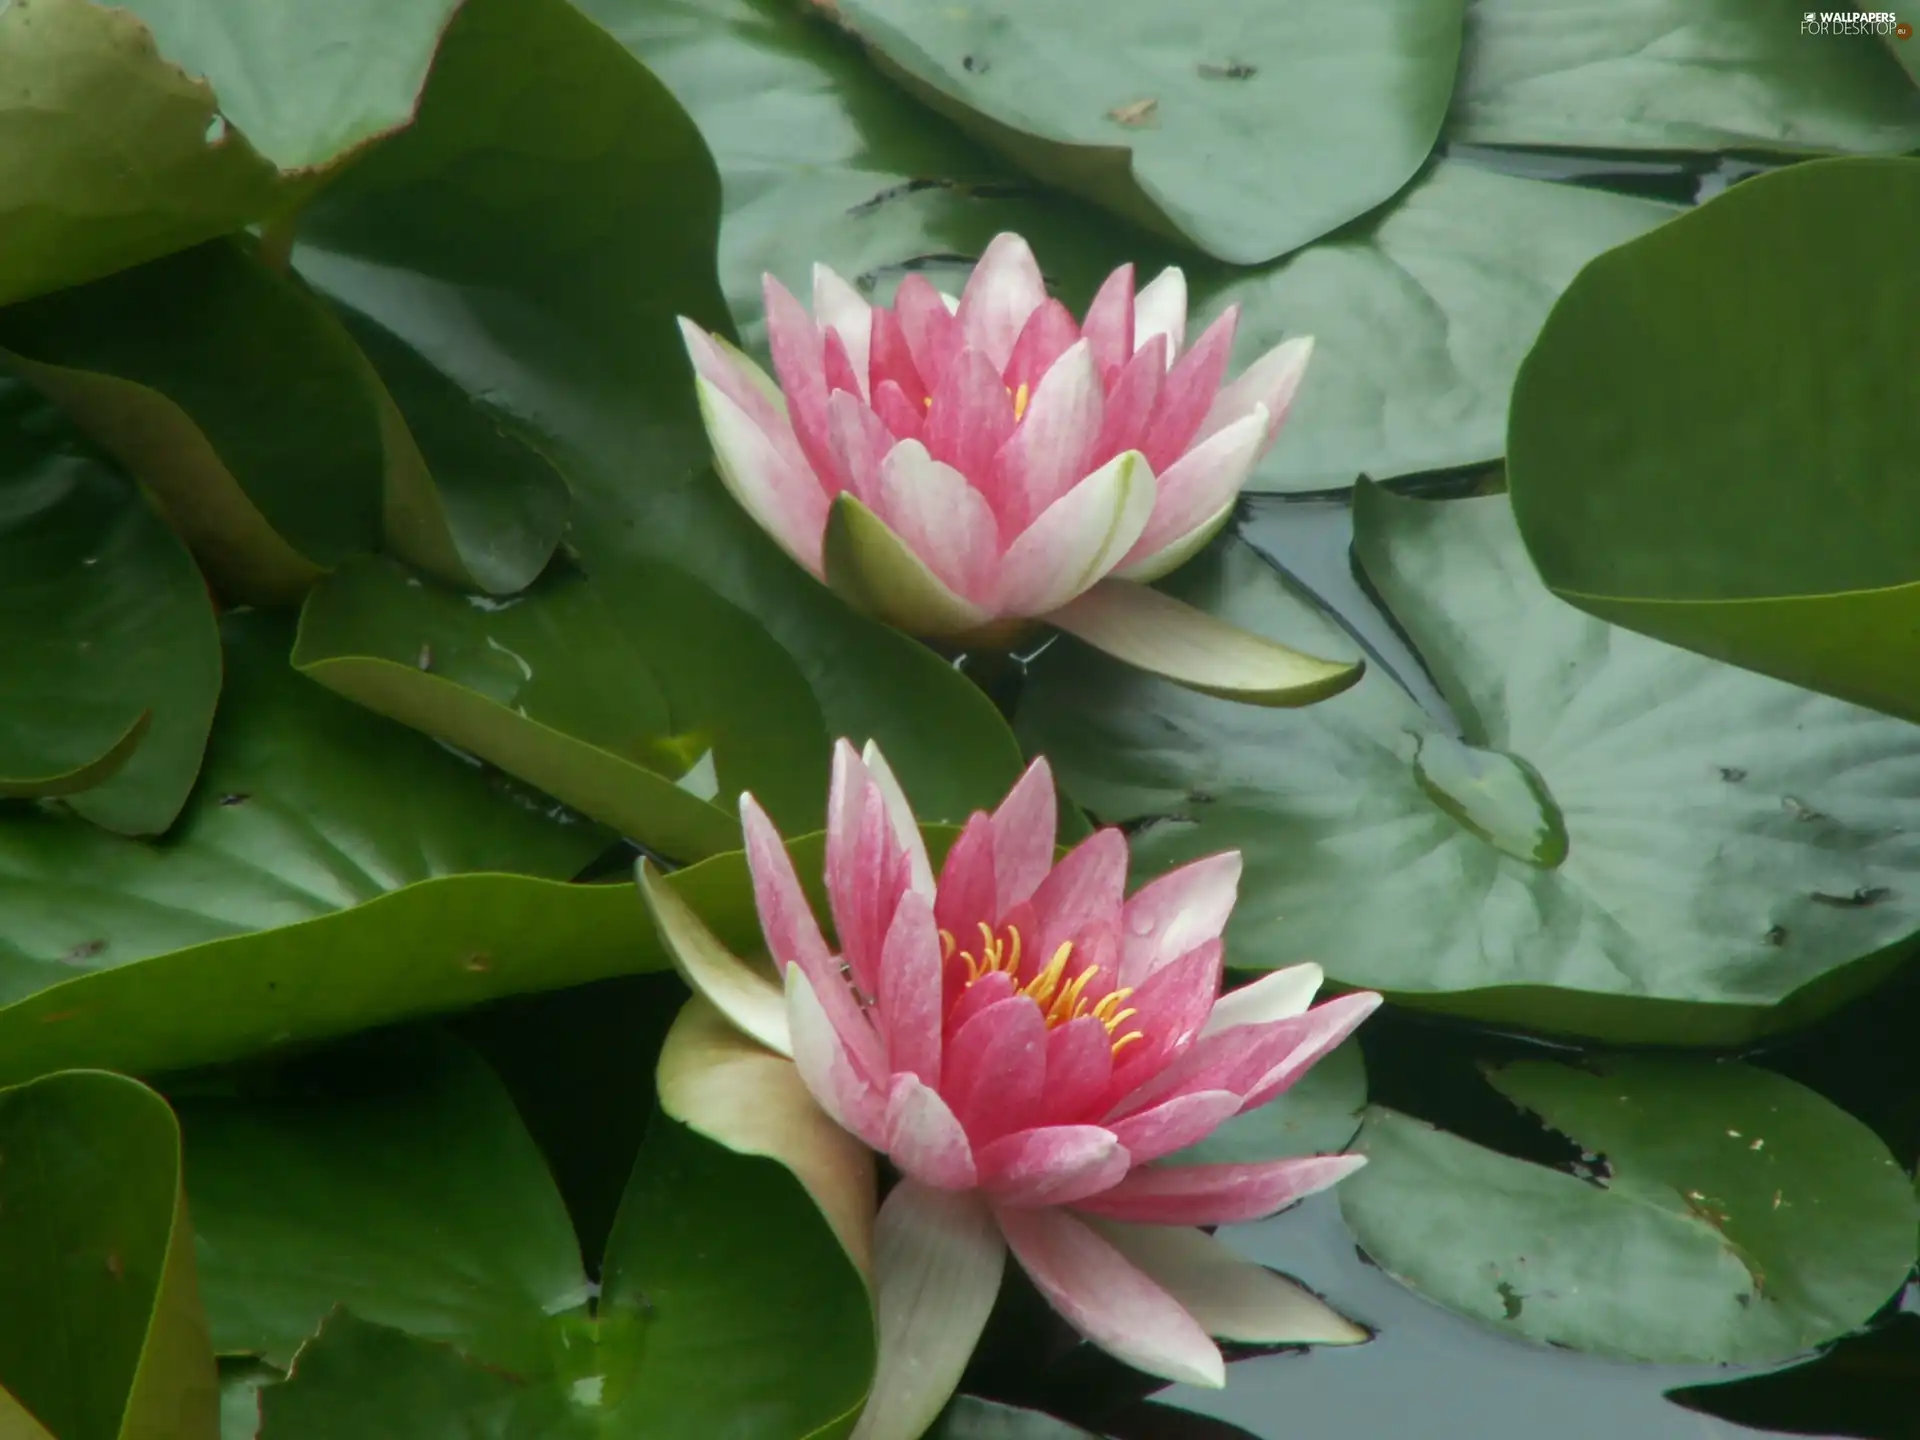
1027,1046
968,469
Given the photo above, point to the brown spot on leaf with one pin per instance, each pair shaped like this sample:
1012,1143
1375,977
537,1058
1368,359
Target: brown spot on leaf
478,962
1136,112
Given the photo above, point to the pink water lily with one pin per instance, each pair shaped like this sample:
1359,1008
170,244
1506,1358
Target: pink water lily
965,469
1027,1045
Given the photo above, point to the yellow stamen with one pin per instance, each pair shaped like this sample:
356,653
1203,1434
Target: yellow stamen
1041,989
1103,1010
1020,398
1126,1040
1068,1005
927,403
946,944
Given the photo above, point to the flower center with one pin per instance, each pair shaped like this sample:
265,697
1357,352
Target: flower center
1060,1000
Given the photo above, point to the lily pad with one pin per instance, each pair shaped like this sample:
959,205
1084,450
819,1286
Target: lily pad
102,1336
723,1285
531,100
1676,75
971,1418
1624,840
1738,1215
232,394
604,695
1164,119
113,156
306,81
1698,363
111,654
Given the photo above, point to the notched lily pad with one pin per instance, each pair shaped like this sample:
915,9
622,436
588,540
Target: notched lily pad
1334,110
1741,1218
1671,850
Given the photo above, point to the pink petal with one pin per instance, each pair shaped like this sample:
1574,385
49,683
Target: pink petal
1130,401
838,367
906,420
964,895
1077,539
1107,1299
799,359
938,1258
1087,886
1191,494
860,442
989,990
1079,1071
925,1139
1272,380
932,334
838,308
1175,1124
779,491
1218,1194
1049,334
995,1069
941,518
1161,309
1051,450
1051,1165
1181,909
786,919
1109,327
1023,831
1192,385
749,387
1336,1020
1279,995
890,362
1004,290
906,830
911,1005
971,417
854,1102
866,869
1173,1005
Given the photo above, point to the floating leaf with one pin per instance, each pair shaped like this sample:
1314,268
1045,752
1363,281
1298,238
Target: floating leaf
1668,847
577,685
102,1336
723,1286
1699,363
1160,122
307,81
233,396
1740,1217
417,238
111,654
1675,75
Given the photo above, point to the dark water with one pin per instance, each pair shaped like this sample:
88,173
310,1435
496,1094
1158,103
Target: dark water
1431,1374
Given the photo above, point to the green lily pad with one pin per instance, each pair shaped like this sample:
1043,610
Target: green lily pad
1164,119
971,1418
1675,75
531,100
1421,316
112,155
233,396
1627,840
1738,1216
579,687
1319,1116
1698,363
102,1336
306,81
411,1212
111,654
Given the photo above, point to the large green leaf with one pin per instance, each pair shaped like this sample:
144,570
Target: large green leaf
232,394
107,641
603,694
1709,447
108,154
404,1189
1165,117
1736,1215
1675,75
1421,315
102,1336
306,81
1621,839
558,308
